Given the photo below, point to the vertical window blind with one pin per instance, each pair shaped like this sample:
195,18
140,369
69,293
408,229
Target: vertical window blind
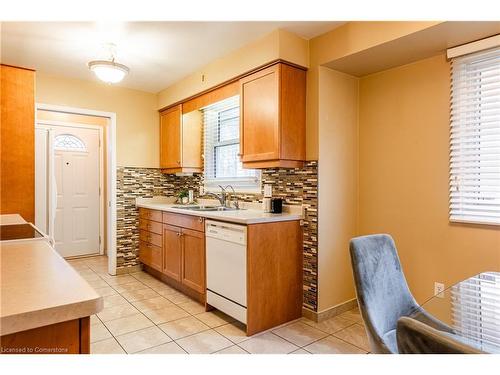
475,138
221,125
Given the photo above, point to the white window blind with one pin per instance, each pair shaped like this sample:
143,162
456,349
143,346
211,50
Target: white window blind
475,309
221,122
475,138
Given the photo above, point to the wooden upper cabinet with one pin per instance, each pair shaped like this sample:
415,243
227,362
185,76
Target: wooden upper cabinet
17,142
272,123
180,141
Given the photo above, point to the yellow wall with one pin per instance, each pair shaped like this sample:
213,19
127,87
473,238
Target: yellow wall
137,118
338,184
279,44
343,41
403,175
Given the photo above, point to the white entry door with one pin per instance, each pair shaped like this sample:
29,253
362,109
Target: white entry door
77,174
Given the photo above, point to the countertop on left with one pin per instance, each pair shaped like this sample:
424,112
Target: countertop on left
38,288
11,219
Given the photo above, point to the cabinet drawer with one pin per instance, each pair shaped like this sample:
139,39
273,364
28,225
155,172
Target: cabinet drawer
148,214
150,237
150,226
150,255
185,221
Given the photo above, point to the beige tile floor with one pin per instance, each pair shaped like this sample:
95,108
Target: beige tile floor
144,315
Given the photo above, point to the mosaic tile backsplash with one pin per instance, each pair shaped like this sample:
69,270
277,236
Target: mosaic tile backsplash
295,186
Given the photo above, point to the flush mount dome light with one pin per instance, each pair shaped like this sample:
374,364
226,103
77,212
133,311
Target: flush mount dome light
108,71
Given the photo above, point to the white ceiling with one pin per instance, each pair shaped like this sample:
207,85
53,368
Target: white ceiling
157,53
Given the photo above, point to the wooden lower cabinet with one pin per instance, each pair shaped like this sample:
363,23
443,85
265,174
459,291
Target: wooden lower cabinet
151,238
274,274
274,264
174,246
184,256
193,259
172,251
70,337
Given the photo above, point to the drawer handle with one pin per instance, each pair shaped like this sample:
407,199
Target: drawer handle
200,219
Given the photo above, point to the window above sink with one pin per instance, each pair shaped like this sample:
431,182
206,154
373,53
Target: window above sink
222,165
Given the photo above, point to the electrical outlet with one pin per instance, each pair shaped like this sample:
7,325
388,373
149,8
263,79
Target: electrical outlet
439,289
268,190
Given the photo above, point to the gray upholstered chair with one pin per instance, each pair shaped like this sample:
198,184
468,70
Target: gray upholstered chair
382,292
414,337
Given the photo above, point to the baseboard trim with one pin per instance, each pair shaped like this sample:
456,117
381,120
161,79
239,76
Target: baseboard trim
330,312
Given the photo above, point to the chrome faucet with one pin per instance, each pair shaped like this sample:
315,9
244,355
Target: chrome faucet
221,198
235,198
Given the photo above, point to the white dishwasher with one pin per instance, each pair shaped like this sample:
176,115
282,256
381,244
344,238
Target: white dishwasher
226,253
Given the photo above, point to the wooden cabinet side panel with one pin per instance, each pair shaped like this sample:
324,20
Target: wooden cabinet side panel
170,138
172,252
193,260
84,335
60,338
17,142
259,115
274,274
192,123
293,113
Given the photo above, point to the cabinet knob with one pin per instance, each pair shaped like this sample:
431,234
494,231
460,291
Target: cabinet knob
200,219
179,234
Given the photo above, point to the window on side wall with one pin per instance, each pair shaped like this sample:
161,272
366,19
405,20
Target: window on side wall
221,126
475,138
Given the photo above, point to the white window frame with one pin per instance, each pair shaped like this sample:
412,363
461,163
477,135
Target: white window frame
475,136
252,185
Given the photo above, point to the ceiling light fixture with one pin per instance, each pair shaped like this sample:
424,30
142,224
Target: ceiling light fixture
108,71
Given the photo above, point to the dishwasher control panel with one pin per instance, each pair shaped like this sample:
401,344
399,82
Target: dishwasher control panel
226,232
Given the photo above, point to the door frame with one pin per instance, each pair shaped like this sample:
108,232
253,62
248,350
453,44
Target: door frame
49,123
111,171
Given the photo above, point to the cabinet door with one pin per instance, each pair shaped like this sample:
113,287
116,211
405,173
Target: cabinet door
260,122
170,138
193,260
172,251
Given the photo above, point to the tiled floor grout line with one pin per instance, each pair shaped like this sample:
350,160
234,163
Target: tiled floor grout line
214,329
157,325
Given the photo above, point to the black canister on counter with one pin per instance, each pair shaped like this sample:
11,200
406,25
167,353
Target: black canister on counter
276,205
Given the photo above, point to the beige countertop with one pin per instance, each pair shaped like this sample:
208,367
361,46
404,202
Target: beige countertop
11,219
251,214
38,287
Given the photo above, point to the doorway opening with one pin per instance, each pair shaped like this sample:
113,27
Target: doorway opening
75,181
